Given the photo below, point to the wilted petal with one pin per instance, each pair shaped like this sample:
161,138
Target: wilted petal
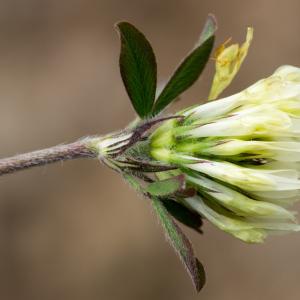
228,62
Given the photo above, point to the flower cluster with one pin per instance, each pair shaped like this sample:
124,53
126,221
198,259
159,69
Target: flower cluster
241,155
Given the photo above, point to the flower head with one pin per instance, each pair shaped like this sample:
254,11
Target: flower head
241,155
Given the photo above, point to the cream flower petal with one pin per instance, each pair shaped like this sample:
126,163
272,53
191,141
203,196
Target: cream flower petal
241,154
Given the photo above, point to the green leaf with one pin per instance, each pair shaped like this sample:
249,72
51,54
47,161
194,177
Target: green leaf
138,68
181,244
166,187
189,70
183,214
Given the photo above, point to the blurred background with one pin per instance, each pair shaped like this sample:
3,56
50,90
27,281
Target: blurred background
75,230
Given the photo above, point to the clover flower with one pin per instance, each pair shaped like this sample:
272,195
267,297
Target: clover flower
241,154
233,161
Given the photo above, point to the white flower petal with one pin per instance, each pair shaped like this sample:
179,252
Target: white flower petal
246,178
237,202
213,109
282,198
263,121
258,132
237,228
289,73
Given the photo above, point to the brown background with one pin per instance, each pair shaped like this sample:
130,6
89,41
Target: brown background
75,230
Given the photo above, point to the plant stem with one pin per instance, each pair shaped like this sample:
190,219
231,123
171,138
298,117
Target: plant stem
79,149
84,148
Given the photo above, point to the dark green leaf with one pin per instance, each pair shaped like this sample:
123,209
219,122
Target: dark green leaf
183,214
138,68
189,70
166,187
181,244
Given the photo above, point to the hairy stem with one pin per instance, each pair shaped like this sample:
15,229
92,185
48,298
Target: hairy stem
79,149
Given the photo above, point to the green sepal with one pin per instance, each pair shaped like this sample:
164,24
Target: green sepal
190,69
138,68
166,187
181,244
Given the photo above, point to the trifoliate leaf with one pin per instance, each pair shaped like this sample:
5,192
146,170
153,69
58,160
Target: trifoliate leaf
138,68
189,70
166,187
181,244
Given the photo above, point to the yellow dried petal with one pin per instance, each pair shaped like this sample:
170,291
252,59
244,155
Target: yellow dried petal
228,62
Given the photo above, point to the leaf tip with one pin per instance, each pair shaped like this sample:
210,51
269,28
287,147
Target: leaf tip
212,19
209,29
119,24
200,280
